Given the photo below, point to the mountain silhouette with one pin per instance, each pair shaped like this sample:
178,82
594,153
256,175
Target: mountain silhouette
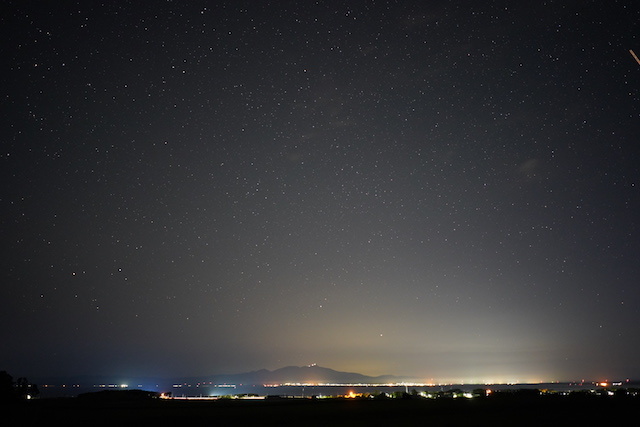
312,374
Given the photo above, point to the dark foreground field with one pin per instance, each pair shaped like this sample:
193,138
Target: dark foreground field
552,410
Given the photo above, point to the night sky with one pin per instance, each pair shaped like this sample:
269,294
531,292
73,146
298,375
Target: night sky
449,190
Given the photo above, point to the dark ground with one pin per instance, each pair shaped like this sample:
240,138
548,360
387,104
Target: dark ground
547,411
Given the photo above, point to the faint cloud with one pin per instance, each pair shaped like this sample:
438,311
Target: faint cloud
529,168
294,157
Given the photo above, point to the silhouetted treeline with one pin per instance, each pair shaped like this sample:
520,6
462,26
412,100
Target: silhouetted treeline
16,390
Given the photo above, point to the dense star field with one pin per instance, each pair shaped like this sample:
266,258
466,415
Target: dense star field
449,190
